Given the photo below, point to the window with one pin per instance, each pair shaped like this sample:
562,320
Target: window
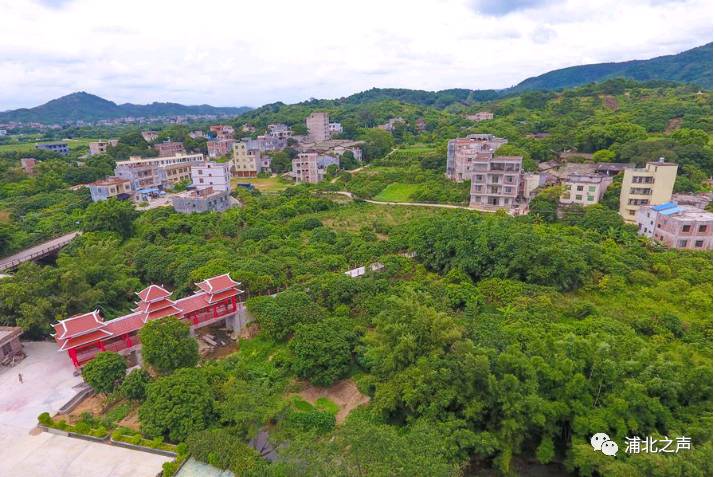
201,181
6,349
699,243
507,190
702,228
579,188
631,212
682,243
589,198
592,188
686,228
579,197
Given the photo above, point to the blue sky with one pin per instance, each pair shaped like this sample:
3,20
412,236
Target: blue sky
229,53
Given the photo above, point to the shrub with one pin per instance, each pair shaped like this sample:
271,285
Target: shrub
45,419
100,431
315,420
323,350
82,428
167,345
105,372
134,385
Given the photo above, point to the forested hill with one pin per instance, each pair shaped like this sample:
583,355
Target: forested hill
87,107
692,66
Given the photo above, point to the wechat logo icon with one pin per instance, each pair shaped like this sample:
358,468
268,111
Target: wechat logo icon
601,442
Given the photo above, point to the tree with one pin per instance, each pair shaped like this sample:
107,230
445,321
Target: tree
222,449
134,385
177,405
280,316
323,350
110,215
105,372
377,143
546,204
167,345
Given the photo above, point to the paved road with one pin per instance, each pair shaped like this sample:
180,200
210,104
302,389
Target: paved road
36,252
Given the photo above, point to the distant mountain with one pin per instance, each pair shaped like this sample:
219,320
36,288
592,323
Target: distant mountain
88,107
692,66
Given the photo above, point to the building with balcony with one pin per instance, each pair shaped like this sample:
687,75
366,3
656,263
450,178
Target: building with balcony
318,124
201,200
221,131
584,189
148,173
111,187
265,143
280,131
650,185
462,152
216,300
100,147
61,148
481,116
310,167
211,175
170,148
335,128
676,226
246,162
219,147
150,136
495,181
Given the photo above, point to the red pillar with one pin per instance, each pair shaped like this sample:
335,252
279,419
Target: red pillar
101,345
128,340
73,356
195,319
213,309
233,303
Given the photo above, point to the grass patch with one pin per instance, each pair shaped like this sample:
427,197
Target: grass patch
301,404
397,192
30,146
264,184
326,405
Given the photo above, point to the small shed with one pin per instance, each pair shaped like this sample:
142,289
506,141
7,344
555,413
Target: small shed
9,343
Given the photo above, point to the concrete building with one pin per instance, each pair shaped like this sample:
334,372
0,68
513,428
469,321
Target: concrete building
318,124
211,175
310,167
201,200
219,147
391,124
100,147
334,147
245,162
676,226
584,189
495,181
61,148
699,200
9,343
481,116
462,152
335,128
265,143
651,185
109,187
280,131
150,136
28,165
221,131
529,184
170,148
156,172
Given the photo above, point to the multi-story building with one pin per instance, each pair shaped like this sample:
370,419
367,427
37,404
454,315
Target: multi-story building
217,301
584,189
266,143
495,181
462,152
219,147
28,165
156,172
222,131
335,128
150,136
310,167
651,185
100,147
169,148
391,124
61,148
246,162
280,131
481,116
211,175
676,226
201,200
109,187
318,124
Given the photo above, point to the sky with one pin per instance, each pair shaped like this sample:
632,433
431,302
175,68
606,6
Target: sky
250,53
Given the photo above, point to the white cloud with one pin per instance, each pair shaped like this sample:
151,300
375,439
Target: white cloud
234,53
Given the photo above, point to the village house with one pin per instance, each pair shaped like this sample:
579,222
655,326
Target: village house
481,116
28,165
221,131
280,131
219,147
495,181
584,189
151,174
462,152
310,167
265,143
318,126
651,185
201,200
217,300
100,147
61,148
111,187
246,162
247,128
169,148
676,226
699,200
211,175
10,345
335,128
420,124
391,123
334,147
150,136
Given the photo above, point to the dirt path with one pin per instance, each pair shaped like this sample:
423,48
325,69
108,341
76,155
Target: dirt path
343,393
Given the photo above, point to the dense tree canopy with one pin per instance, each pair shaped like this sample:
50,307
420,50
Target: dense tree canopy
167,345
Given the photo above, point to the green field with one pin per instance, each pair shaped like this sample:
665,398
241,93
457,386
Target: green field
397,192
264,184
30,146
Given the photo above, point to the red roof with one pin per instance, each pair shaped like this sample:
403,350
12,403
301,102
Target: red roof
192,303
149,306
125,324
153,293
167,311
83,339
78,324
217,284
216,297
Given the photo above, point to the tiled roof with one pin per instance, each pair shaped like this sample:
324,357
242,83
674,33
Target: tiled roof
78,324
153,293
83,339
217,284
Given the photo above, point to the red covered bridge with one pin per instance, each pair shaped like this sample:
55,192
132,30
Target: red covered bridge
83,336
